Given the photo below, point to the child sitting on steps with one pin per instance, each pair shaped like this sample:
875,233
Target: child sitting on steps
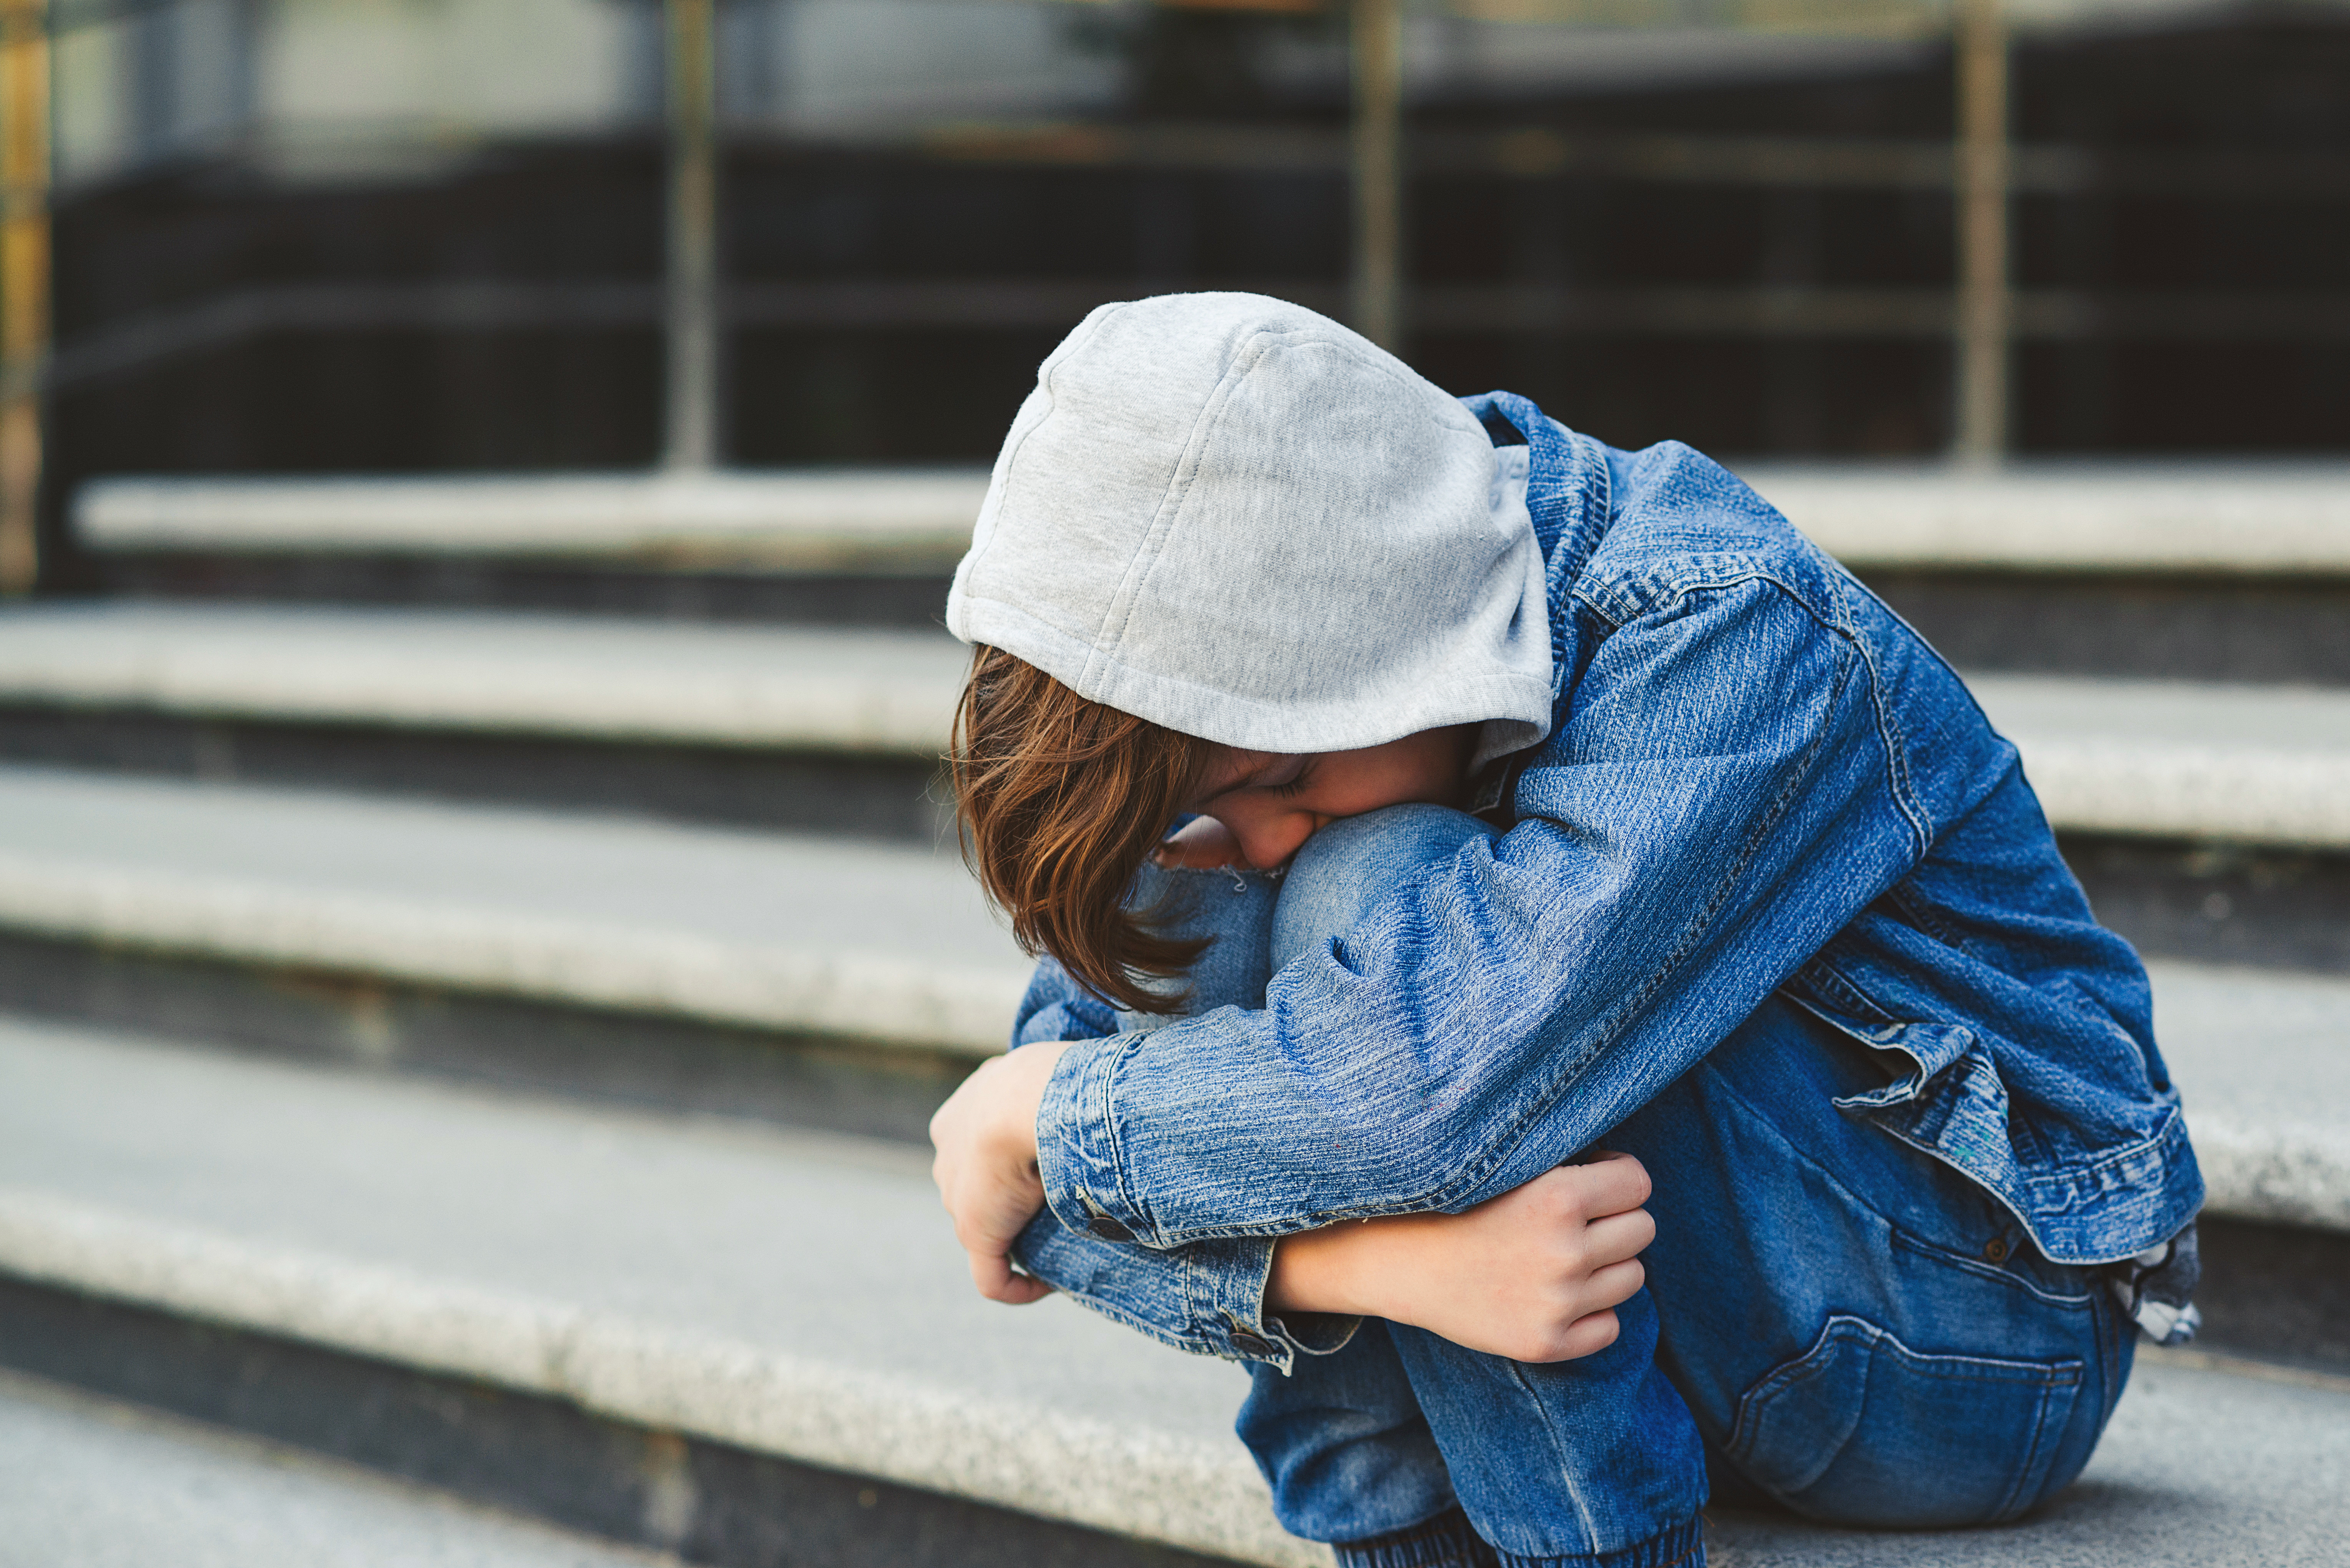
1535,799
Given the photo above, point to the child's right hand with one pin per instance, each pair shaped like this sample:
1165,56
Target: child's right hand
1533,1275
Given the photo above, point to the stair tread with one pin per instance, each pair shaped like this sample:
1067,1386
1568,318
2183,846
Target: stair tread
2262,1062
856,939
2115,516
919,517
793,1293
801,1294
844,688
95,1484
2267,764
2098,516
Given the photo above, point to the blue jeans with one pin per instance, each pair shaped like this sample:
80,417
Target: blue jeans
1833,1322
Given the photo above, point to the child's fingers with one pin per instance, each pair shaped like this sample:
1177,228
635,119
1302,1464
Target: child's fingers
1586,1337
998,1282
1615,1284
1617,1237
1610,1183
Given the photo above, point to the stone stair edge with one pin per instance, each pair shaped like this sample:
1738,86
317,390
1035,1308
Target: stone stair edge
860,690
2115,516
2249,1173
1058,1463
891,695
812,520
96,1481
1052,1463
883,999
2297,1176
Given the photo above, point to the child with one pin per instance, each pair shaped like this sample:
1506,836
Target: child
1754,895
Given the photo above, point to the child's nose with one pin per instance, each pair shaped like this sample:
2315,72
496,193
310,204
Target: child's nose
1271,840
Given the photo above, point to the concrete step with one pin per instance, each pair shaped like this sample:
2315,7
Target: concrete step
822,519
840,729
2159,759
2209,822
751,1345
2156,759
2192,571
389,916
2242,518
2113,517
825,984
94,1483
807,978
829,546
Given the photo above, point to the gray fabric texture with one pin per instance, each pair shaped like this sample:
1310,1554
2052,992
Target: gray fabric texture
1235,518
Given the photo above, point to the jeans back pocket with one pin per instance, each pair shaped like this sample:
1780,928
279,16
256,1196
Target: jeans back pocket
1862,1429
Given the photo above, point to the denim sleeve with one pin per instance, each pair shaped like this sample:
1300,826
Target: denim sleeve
1055,1007
1717,802
1207,1298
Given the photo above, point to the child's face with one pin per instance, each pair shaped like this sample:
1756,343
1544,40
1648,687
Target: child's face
1258,807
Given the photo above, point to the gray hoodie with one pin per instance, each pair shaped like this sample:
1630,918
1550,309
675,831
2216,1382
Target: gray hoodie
1235,518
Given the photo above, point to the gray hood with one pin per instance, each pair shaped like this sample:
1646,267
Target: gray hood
1235,518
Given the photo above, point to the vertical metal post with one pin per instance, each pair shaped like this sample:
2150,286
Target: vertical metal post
692,326
24,283
1985,303
1375,35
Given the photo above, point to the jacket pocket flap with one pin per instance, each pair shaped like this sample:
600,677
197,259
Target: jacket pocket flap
1932,1048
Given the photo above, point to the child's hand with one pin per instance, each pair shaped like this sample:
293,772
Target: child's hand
985,1136
1533,1275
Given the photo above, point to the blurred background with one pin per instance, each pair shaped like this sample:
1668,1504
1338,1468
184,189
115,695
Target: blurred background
481,929
416,235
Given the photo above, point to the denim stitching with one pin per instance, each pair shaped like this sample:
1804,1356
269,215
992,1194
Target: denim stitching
1904,1242
1560,1448
1896,743
1612,1027
2010,1505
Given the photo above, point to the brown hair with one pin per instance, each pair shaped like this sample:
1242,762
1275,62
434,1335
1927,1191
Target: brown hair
1061,798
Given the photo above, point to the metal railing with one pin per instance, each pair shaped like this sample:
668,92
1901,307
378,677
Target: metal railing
1981,317
24,282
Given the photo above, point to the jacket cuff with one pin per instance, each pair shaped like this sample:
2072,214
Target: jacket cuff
1077,1150
1207,1297
1097,1244
1225,1285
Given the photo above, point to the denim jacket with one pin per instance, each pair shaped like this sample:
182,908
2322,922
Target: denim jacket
1759,780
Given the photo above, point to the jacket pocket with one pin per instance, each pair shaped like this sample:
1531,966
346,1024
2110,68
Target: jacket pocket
1862,1429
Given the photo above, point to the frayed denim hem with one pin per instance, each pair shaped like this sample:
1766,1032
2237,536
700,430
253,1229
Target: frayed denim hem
1444,1542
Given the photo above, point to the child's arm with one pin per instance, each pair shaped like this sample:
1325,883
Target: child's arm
1719,803
1534,1274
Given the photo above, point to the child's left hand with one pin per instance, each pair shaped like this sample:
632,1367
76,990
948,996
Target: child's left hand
985,1136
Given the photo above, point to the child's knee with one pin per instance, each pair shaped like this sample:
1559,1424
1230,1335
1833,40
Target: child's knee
1351,865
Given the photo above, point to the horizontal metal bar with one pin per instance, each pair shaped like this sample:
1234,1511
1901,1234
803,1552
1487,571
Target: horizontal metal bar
1053,304
1685,312
316,307
1048,303
1868,17
1539,153
1535,153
